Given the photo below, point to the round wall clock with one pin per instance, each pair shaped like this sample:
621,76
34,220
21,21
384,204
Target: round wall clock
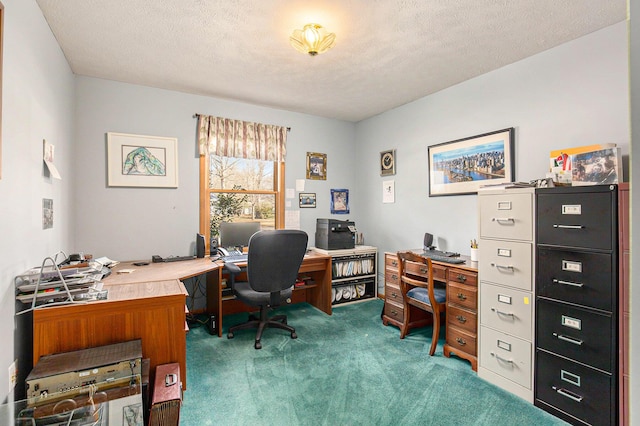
388,162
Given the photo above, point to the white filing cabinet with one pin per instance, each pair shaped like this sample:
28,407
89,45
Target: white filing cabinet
506,300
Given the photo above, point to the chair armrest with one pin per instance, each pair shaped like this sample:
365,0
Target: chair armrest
231,268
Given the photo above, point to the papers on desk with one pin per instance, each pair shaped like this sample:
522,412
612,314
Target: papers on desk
105,261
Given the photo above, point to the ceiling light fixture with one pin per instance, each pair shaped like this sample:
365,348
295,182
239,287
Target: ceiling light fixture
312,39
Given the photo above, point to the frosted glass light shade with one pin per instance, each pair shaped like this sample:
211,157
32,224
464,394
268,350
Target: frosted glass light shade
312,39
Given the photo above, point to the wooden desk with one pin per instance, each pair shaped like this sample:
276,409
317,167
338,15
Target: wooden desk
462,304
147,304
315,265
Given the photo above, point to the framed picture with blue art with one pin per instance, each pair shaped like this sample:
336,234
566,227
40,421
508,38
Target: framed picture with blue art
142,161
340,201
464,165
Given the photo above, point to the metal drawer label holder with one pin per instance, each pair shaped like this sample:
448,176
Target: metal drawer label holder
574,379
574,209
504,345
504,299
504,205
570,322
571,266
504,252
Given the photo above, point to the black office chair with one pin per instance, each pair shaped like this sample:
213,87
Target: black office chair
273,262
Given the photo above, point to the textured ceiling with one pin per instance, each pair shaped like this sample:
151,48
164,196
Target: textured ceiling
387,52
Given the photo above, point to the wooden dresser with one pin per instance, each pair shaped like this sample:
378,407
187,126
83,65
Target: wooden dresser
462,303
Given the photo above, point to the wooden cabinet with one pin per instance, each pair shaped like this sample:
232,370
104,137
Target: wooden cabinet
577,316
506,268
462,314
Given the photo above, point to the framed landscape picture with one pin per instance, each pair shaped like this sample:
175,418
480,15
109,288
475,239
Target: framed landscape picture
464,165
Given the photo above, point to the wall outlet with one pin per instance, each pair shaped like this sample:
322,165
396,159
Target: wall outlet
13,375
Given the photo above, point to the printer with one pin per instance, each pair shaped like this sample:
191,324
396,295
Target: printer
333,234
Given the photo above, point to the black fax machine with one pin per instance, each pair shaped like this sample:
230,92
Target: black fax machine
333,234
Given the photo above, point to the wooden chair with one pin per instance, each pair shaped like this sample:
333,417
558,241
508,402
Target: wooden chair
419,295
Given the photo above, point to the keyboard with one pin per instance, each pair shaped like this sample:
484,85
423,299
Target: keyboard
235,258
441,253
156,259
446,259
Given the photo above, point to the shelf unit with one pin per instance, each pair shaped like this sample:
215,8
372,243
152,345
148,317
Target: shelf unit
354,274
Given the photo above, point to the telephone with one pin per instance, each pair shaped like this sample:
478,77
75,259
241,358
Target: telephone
224,252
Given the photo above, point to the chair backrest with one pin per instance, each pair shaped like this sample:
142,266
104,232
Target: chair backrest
274,259
421,278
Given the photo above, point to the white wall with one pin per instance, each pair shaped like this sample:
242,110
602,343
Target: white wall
37,98
572,95
135,223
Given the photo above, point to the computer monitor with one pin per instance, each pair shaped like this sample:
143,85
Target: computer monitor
237,234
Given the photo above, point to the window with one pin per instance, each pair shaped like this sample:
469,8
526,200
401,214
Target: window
239,190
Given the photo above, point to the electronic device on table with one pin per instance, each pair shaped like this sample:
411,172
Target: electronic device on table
429,250
234,236
157,259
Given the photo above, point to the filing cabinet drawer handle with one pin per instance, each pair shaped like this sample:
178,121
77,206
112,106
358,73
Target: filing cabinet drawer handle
503,219
568,226
461,318
568,394
462,278
555,281
394,276
507,314
509,267
461,341
569,339
461,296
499,358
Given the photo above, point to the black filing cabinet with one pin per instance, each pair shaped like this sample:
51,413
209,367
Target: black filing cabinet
576,361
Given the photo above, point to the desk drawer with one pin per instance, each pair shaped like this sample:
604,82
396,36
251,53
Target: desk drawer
392,293
463,295
462,318
461,276
394,310
420,269
576,333
391,260
506,216
574,389
506,355
507,263
576,277
507,310
391,277
462,340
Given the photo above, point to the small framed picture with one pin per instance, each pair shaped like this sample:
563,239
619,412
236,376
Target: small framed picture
307,200
340,201
316,166
388,162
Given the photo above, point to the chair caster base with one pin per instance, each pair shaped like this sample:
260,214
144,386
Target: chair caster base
258,345
294,335
229,335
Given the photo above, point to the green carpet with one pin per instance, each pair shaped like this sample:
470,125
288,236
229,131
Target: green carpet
344,369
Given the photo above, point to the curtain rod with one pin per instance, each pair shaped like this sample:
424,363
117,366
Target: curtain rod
196,115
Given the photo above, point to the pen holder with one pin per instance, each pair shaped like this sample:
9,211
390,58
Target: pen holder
474,254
